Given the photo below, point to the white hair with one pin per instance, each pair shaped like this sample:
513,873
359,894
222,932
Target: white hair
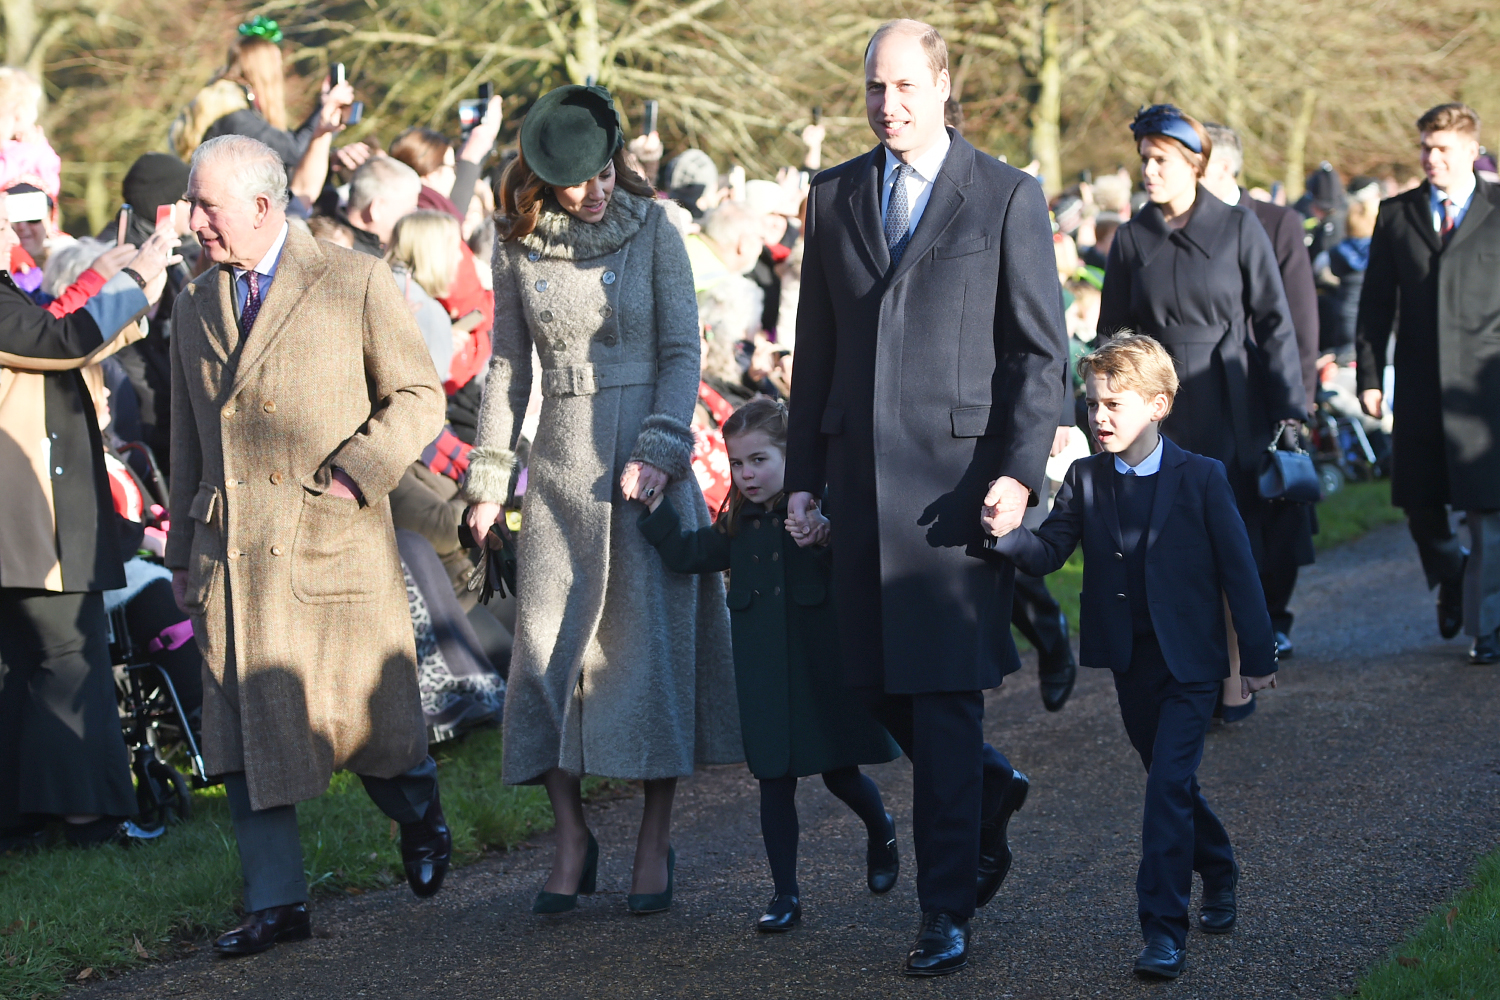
378,175
257,168
66,263
728,223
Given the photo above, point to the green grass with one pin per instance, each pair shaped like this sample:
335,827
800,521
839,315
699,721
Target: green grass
1456,953
64,910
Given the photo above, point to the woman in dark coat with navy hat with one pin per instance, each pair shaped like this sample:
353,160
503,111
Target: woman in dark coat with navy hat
1201,277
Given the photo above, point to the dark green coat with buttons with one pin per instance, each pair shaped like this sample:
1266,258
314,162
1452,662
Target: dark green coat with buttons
796,715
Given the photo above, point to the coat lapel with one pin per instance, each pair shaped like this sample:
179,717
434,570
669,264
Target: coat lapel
1103,485
865,204
302,264
1480,207
1421,214
1172,460
217,317
942,205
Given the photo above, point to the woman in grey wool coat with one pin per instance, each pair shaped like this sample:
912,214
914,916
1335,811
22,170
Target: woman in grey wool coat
620,668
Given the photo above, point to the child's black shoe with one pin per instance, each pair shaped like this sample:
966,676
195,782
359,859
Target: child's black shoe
883,860
784,913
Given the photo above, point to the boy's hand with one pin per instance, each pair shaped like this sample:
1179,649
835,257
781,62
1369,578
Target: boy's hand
1249,685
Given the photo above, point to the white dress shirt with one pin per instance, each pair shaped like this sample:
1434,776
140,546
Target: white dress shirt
1150,465
919,179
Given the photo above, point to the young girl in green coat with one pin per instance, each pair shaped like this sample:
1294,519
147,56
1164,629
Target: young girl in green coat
796,716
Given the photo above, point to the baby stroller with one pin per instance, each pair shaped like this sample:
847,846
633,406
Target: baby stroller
1342,448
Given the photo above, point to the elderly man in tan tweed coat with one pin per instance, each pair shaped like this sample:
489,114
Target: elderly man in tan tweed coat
301,391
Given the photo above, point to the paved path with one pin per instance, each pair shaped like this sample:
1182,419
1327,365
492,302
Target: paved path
1358,797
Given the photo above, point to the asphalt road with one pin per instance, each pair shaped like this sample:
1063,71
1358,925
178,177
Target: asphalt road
1358,797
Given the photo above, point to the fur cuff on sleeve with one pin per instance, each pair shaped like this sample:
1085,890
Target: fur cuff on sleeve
666,443
488,480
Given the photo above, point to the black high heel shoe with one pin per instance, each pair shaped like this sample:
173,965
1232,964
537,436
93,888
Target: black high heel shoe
784,913
883,860
562,902
641,903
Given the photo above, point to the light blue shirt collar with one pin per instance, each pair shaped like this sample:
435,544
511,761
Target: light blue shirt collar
266,269
1150,465
1462,194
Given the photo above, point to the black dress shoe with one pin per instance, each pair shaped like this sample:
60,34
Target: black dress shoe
265,928
994,849
1284,648
1217,913
1486,649
1450,603
784,913
1161,959
942,946
426,850
883,860
1057,670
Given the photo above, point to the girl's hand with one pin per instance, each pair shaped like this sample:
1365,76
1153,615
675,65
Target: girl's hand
643,482
481,516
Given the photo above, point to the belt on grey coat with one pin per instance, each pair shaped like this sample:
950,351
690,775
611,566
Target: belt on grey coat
585,380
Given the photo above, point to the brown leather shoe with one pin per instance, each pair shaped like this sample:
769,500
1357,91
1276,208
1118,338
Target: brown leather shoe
263,929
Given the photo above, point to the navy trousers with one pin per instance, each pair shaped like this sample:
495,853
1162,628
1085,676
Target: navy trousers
1167,721
957,779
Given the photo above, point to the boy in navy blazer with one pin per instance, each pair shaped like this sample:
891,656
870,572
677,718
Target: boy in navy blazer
1164,551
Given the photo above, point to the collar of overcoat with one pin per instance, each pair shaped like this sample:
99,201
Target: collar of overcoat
1480,206
1169,476
303,264
1205,222
942,205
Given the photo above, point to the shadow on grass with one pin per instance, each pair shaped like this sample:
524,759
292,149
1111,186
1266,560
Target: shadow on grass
66,912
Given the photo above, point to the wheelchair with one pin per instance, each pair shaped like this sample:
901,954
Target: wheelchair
155,727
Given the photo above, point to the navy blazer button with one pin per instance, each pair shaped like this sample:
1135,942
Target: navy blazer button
57,471
1120,596
1119,555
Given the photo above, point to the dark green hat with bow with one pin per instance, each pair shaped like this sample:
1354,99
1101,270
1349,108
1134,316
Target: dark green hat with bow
571,134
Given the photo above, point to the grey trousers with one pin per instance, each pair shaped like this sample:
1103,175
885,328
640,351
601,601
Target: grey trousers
271,848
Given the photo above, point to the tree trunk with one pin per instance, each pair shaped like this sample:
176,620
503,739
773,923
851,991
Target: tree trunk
20,30
1296,146
1046,112
583,60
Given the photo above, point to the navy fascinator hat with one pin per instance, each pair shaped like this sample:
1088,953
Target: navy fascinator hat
1167,120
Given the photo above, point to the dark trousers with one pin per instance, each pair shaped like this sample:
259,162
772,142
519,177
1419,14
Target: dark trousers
1166,721
957,780
1438,546
62,752
1036,615
271,848
1278,582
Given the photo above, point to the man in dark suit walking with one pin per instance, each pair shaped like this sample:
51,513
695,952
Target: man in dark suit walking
1289,526
929,365
1434,255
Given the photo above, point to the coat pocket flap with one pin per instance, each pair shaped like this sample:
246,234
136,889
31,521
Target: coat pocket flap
738,600
970,421
204,503
833,421
962,248
808,595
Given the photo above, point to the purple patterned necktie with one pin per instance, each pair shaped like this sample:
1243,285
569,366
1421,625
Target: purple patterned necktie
252,301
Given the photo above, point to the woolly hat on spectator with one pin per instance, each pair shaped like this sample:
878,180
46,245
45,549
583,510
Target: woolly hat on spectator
1324,188
154,180
570,134
689,177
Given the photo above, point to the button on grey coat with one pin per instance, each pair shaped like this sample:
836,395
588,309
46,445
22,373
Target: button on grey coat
620,668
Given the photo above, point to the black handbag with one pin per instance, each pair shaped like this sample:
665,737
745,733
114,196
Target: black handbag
1288,474
496,571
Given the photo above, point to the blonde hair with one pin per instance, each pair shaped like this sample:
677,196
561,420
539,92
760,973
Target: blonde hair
251,77
1136,362
427,245
20,95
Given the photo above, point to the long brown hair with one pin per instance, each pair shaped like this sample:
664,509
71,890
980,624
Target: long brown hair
255,63
760,414
522,193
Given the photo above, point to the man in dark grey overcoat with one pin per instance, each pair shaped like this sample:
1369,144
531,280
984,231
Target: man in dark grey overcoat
1434,256
929,379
